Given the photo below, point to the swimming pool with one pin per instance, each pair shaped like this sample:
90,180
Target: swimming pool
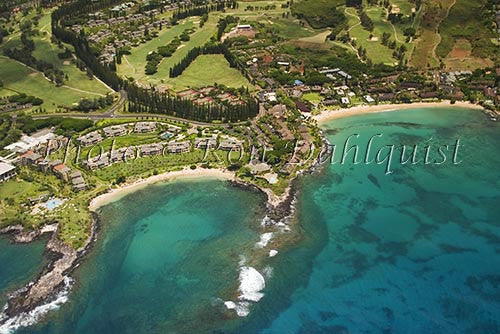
53,203
166,135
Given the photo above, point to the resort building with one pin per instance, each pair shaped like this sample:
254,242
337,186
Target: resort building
151,149
257,167
62,171
91,138
179,147
240,30
29,158
7,171
122,154
144,127
203,143
97,162
115,130
27,143
231,145
77,181
188,94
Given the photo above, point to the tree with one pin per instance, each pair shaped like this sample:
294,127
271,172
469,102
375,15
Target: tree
354,3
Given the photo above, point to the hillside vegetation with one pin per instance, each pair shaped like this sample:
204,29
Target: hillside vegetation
468,20
321,13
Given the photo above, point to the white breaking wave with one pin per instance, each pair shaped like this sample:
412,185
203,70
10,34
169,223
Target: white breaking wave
241,308
32,317
264,240
273,252
251,285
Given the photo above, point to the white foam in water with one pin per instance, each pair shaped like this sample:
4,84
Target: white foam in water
273,252
251,283
267,272
264,240
30,318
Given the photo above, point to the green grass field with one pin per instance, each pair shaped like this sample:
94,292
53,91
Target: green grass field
321,13
291,28
22,79
377,52
207,70
133,66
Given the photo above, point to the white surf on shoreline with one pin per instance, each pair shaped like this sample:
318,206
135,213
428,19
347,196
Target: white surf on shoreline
32,317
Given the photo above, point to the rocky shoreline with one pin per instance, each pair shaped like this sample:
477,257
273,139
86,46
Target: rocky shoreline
45,288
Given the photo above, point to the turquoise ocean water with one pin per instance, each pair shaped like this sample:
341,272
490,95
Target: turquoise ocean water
415,251
19,263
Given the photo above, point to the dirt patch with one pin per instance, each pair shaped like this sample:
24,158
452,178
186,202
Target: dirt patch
318,39
461,49
460,57
467,63
33,74
311,45
66,62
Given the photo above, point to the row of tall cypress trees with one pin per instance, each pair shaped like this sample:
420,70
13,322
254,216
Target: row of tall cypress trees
141,99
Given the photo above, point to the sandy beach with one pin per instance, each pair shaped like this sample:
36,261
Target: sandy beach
116,193
328,115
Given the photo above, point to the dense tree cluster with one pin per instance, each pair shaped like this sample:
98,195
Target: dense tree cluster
9,133
194,10
366,21
64,126
22,98
354,3
149,101
87,105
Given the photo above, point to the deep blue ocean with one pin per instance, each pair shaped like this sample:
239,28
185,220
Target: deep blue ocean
414,251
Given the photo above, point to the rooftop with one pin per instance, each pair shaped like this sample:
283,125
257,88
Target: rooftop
5,168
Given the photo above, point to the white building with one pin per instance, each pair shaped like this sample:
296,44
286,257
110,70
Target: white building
7,171
26,143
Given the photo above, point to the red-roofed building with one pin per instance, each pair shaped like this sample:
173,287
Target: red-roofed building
62,171
267,59
189,94
203,100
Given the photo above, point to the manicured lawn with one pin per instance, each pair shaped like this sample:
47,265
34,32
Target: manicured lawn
24,80
207,70
133,65
148,165
137,62
377,52
312,97
76,79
